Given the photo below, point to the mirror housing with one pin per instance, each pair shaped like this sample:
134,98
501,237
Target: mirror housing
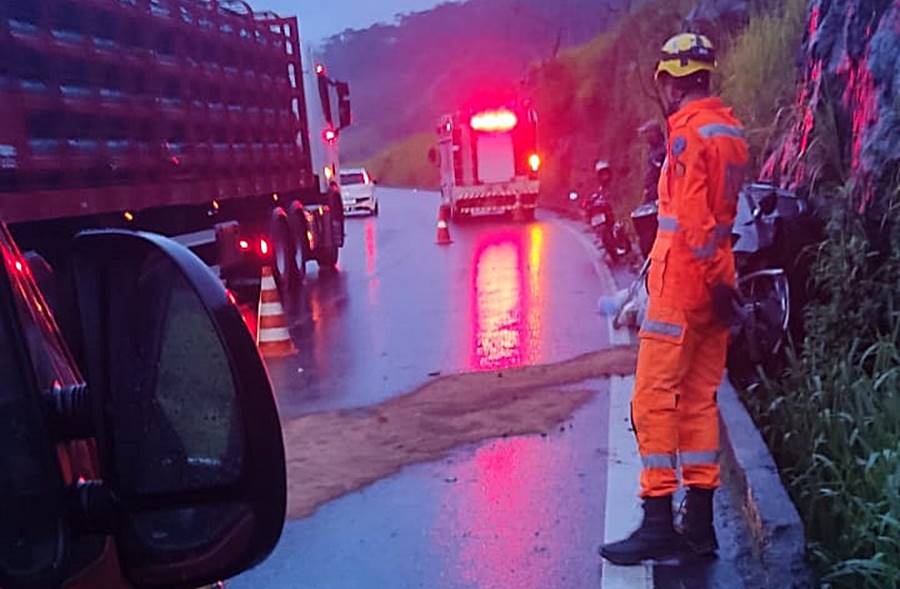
185,419
345,112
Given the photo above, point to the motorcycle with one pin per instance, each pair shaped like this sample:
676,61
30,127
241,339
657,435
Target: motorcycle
601,219
764,215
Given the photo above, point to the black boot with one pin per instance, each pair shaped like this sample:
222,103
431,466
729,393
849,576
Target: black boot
699,533
656,539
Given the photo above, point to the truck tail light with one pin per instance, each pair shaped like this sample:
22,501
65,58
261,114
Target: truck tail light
534,162
264,247
330,135
244,245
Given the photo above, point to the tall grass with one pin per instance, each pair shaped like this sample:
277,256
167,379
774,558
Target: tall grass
760,70
833,420
405,163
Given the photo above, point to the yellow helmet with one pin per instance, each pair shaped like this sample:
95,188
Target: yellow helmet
687,54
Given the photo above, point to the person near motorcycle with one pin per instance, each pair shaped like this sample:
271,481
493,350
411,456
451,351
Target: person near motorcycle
651,132
599,200
684,337
601,217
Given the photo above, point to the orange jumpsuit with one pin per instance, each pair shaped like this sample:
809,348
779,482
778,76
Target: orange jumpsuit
683,346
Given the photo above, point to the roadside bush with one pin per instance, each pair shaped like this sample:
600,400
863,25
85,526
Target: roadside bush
833,419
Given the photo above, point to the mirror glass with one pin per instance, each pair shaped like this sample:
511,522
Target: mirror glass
175,418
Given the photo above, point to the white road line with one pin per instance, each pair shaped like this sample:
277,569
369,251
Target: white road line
623,512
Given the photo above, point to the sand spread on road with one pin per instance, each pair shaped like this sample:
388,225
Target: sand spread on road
335,453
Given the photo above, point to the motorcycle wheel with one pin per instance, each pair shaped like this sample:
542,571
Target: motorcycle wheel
756,348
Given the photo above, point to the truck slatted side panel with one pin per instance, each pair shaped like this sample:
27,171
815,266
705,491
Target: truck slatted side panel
107,105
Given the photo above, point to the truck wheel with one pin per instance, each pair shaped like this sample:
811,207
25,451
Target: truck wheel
336,207
284,265
328,257
297,223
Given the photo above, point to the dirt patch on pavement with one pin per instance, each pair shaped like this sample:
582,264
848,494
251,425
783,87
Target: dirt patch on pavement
332,454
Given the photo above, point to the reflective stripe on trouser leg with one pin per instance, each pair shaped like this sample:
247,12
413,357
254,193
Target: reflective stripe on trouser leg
698,421
654,408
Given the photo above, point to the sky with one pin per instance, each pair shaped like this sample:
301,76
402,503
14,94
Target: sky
319,19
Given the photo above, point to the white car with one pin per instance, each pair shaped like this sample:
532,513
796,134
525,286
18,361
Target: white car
358,191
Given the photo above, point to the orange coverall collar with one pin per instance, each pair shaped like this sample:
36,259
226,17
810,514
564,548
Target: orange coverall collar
692,108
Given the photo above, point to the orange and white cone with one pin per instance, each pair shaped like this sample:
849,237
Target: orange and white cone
272,335
443,225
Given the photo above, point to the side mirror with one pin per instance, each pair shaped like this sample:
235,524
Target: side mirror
188,433
345,112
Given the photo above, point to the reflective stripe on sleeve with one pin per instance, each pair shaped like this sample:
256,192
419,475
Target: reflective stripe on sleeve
667,223
705,252
720,130
659,461
662,328
723,231
699,458
708,250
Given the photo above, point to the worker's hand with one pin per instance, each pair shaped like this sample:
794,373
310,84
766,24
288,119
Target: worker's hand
726,303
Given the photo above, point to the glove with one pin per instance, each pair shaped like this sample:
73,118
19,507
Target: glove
726,302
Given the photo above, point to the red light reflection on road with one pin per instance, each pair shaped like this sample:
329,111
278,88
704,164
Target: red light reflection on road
499,304
371,248
506,280
372,261
507,515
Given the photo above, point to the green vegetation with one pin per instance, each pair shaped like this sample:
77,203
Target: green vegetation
833,419
405,163
759,73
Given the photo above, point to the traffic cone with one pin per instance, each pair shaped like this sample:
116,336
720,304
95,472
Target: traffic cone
443,225
272,336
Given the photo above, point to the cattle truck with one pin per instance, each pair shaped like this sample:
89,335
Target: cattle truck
197,119
489,161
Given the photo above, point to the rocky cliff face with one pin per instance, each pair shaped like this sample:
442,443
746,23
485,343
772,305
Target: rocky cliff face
848,103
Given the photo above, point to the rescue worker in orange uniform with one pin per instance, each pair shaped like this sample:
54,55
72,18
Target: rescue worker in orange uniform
692,298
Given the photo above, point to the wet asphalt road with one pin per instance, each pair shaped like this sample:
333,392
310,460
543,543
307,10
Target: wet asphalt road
523,513
402,308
